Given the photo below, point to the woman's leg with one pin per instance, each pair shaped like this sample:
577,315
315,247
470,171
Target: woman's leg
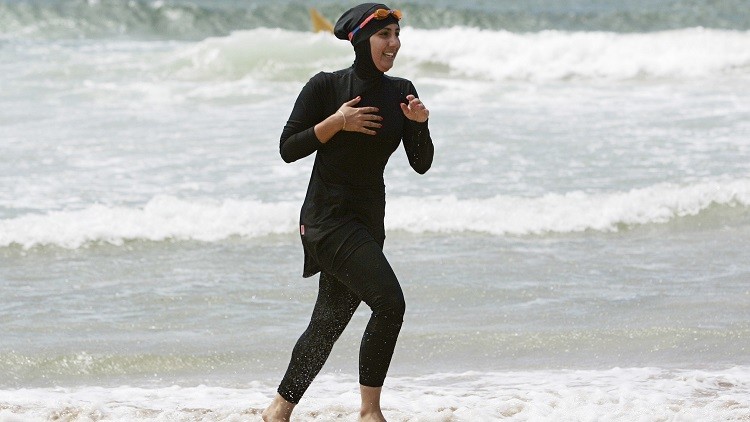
333,311
370,410
369,275
364,275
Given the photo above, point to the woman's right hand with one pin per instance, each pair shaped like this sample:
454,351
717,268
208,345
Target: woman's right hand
359,119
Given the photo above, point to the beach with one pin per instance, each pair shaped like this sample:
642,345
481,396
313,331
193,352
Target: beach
577,252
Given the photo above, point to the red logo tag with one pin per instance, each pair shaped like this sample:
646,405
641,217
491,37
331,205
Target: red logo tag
302,229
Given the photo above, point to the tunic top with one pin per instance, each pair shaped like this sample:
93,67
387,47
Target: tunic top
346,192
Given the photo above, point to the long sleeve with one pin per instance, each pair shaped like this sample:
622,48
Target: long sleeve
298,138
417,142
418,146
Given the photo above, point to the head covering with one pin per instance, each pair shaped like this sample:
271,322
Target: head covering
364,67
354,16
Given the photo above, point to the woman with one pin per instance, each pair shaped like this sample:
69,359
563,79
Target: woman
353,119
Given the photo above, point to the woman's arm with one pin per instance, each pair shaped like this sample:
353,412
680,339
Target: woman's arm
298,139
417,140
418,146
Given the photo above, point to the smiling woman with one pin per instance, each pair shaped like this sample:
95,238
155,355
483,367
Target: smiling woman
384,46
353,120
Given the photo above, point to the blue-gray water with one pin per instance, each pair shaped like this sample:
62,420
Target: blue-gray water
577,252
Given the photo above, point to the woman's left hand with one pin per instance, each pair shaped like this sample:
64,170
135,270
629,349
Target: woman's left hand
415,110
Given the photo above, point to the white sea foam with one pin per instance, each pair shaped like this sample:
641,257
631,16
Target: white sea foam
166,217
264,52
566,213
260,63
635,394
480,54
559,55
160,219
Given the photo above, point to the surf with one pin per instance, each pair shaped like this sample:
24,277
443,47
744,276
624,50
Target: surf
616,394
502,56
168,218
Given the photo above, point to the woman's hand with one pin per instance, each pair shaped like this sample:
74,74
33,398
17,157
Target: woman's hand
362,119
350,119
415,110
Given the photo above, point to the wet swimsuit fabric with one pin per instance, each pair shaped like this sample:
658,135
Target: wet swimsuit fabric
342,217
346,189
339,295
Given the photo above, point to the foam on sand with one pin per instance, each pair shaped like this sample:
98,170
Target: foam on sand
634,394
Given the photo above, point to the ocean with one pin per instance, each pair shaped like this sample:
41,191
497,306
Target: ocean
578,251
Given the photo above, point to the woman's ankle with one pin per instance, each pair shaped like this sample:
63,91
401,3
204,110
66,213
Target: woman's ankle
371,416
280,410
370,410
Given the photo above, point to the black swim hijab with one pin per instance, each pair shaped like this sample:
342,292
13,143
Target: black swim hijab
364,67
354,16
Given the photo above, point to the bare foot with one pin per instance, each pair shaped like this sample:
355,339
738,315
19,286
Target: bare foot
372,417
279,410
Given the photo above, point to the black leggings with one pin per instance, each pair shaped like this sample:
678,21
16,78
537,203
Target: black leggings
365,276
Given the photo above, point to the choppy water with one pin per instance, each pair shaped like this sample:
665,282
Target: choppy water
577,252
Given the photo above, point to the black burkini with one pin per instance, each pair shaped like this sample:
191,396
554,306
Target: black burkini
341,221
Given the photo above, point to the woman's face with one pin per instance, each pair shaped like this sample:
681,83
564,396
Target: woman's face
384,46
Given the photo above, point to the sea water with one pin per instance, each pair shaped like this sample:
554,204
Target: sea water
578,251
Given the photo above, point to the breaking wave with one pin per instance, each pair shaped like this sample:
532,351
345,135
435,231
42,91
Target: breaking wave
455,53
167,218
